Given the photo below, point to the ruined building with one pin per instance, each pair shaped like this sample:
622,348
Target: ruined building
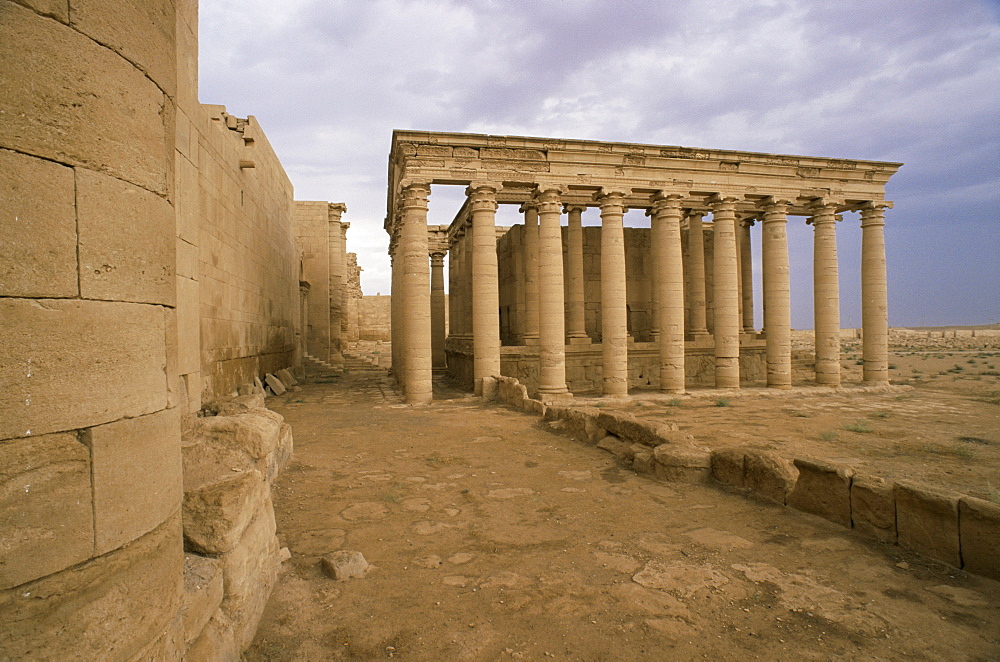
152,264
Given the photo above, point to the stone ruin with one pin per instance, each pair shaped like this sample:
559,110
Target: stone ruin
158,280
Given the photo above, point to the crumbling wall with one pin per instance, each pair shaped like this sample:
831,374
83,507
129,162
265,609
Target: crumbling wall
91,556
374,317
352,299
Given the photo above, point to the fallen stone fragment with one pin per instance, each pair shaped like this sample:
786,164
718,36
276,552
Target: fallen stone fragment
682,464
274,384
286,377
344,564
284,554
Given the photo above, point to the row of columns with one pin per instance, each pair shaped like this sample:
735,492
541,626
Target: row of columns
474,286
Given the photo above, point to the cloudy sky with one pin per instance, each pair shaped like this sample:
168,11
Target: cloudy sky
916,81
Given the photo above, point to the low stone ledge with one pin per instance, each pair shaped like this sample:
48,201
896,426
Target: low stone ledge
979,535
927,521
823,489
628,427
769,475
873,508
680,464
728,467
612,444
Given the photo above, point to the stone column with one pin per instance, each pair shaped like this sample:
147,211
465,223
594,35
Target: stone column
826,293
416,291
467,282
485,286
302,343
668,269
452,284
874,294
746,275
777,293
655,259
345,283
696,265
531,285
337,281
727,319
395,310
614,311
576,320
551,307
438,360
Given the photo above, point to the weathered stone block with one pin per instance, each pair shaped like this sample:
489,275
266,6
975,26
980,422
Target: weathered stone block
682,464
202,594
728,466
126,241
286,377
614,445
46,523
109,608
274,384
86,105
137,476
217,514
630,428
979,531
216,643
927,521
142,32
52,382
769,475
823,489
241,404
38,235
255,433
249,572
642,461
344,564
873,508
57,9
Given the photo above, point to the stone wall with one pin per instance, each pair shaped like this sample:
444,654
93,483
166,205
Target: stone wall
90,527
374,319
311,223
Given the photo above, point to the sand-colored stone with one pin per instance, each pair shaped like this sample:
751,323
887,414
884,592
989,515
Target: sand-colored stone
415,303
38,539
551,311
873,507
249,572
769,475
485,292
927,521
108,608
614,320
874,295
666,237
826,294
531,274
979,531
202,594
145,447
823,489
438,322
682,464
217,514
695,266
726,294
746,274
576,321
777,294
38,236
52,382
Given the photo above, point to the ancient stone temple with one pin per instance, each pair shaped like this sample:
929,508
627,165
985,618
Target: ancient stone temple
566,308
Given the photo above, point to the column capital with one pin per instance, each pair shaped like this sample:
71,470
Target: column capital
773,203
694,213
334,210
482,197
824,210
437,258
570,208
609,192
415,195
665,201
344,227
549,199
747,220
528,205
481,185
873,212
723,202
410,182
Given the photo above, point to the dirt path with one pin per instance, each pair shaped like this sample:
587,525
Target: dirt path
494,539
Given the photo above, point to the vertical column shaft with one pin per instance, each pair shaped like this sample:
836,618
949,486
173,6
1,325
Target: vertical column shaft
452,284
416,290
874,295
551,308
531,266
576,330
746,275
338,279
467,282
614,311
777,293
669,286
437,311
395,311
726,302
826,294
696,264
485,290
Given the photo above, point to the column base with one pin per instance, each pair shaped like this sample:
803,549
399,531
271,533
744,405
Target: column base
530,341
549,397
579,340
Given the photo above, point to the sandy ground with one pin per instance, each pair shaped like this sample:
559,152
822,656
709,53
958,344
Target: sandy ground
493,538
